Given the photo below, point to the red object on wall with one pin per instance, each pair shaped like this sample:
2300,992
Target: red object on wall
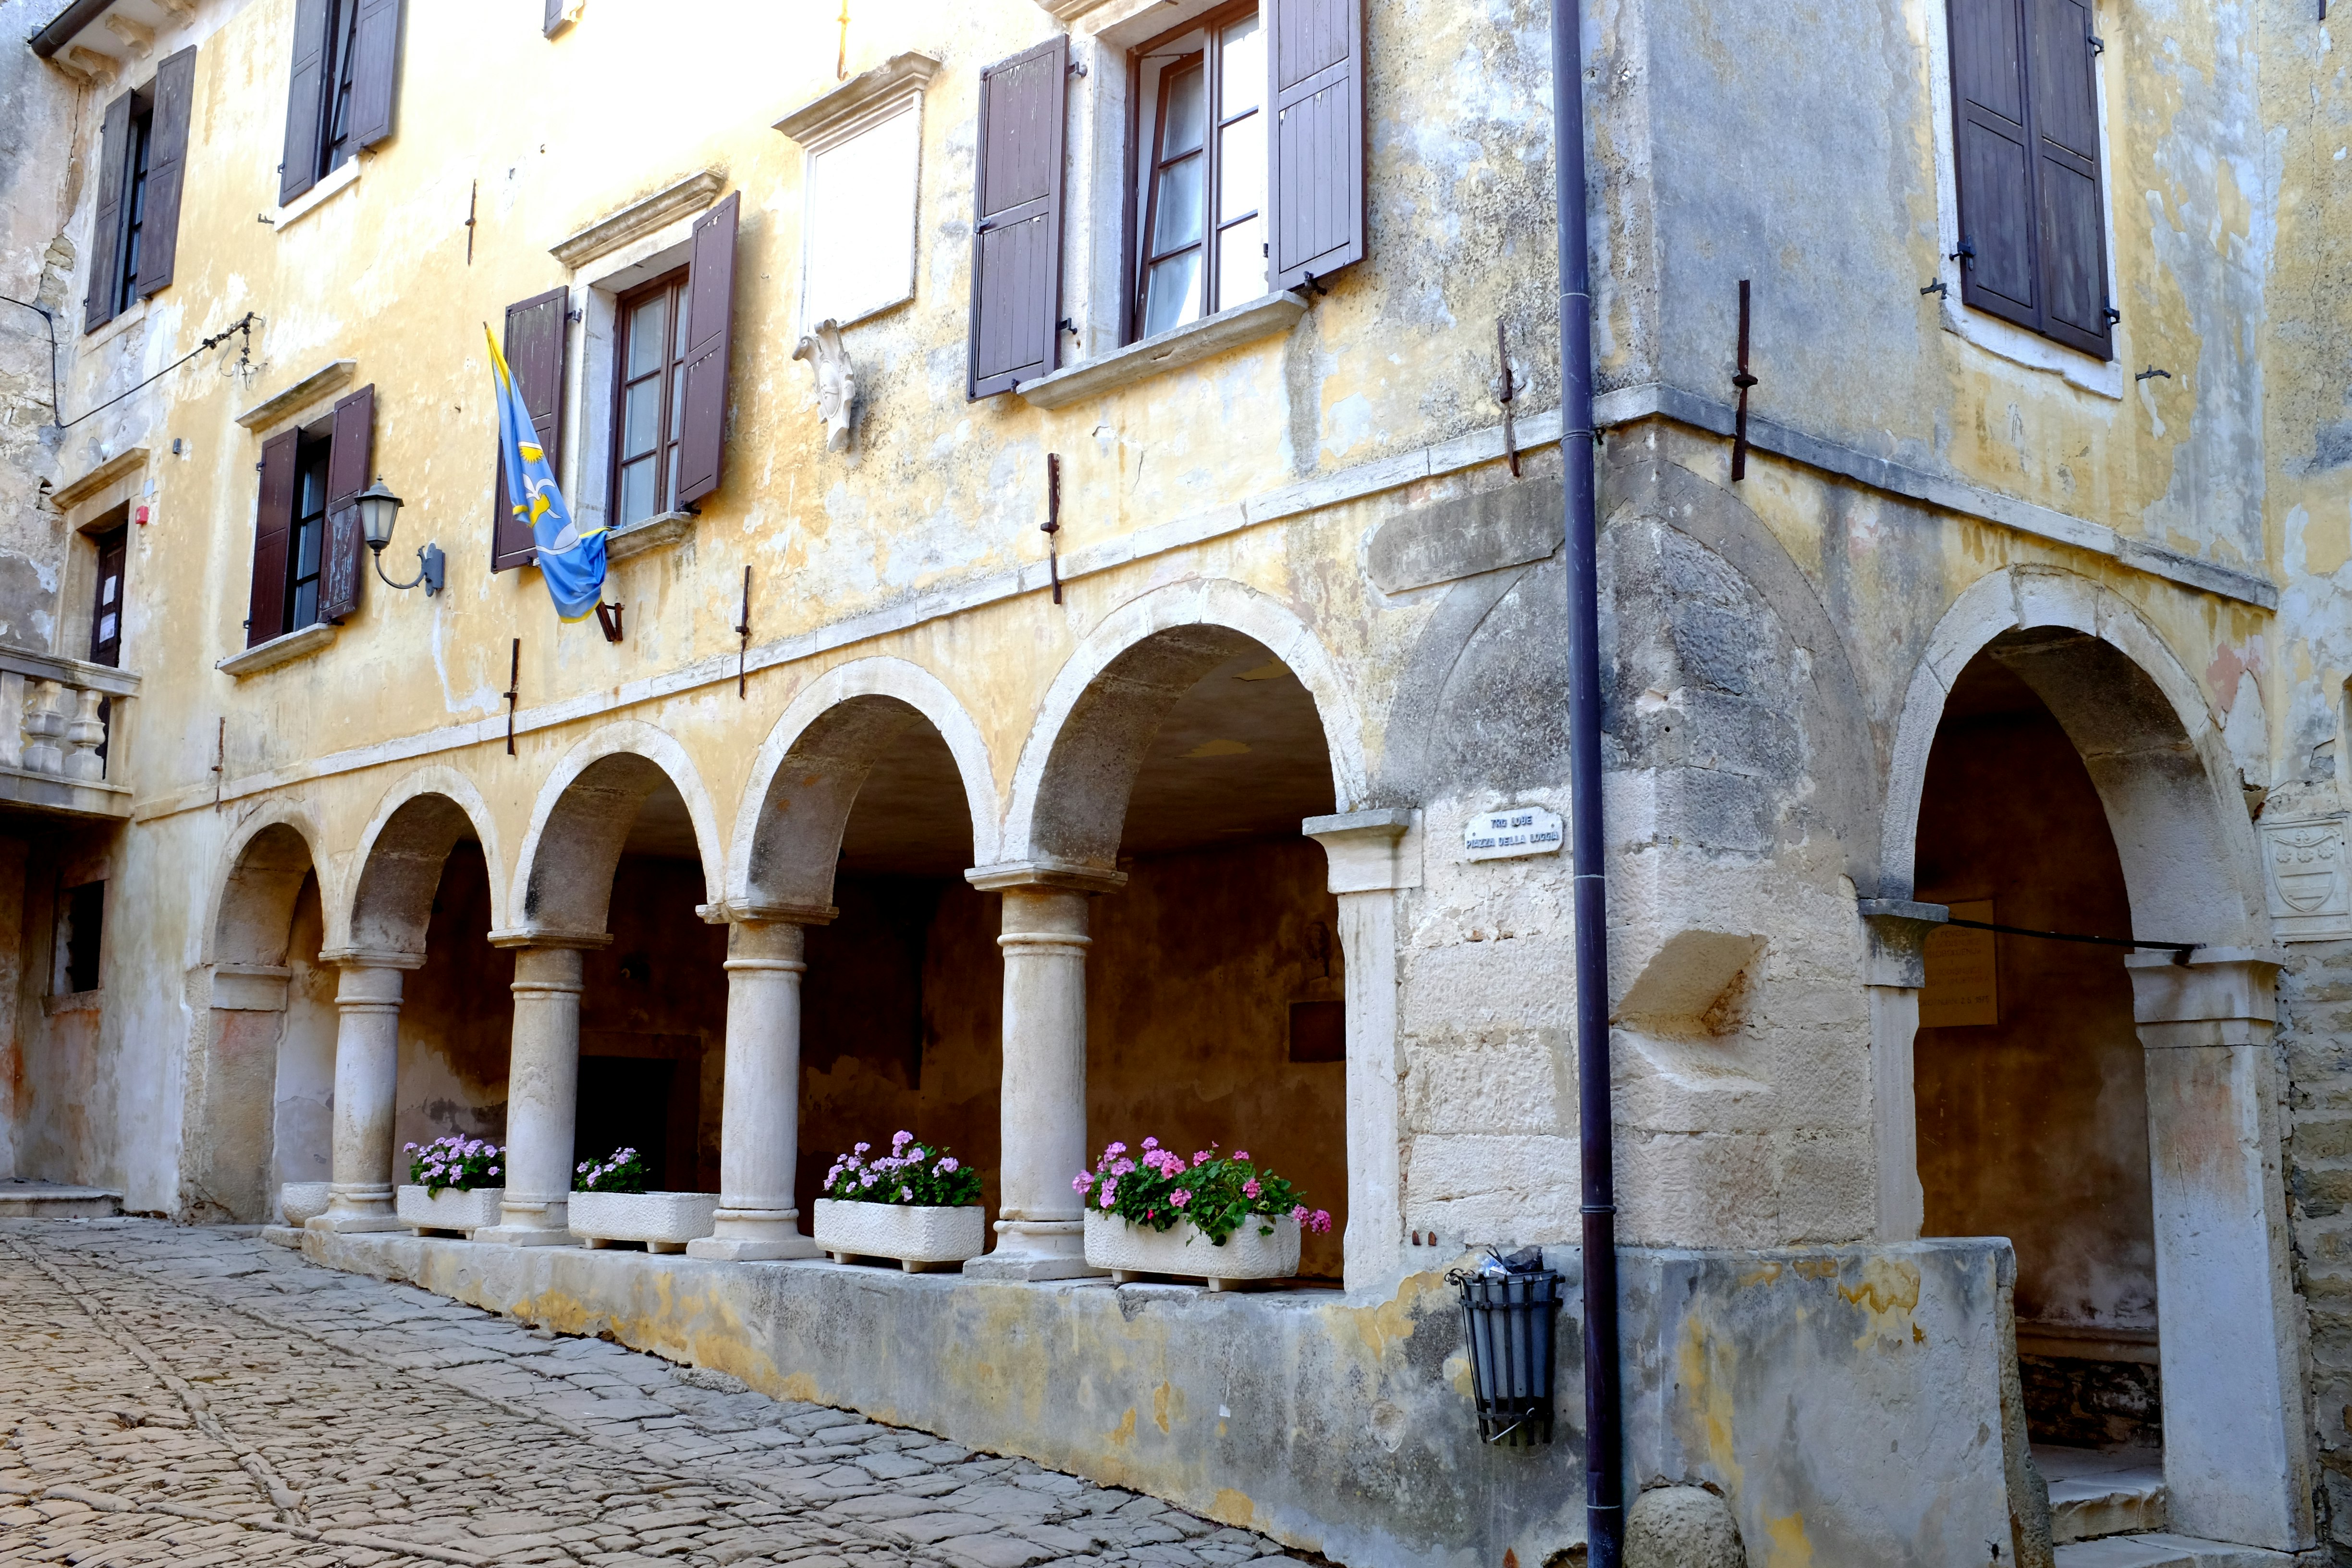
140,516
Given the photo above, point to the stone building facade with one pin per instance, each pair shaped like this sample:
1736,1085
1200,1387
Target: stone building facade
1976,502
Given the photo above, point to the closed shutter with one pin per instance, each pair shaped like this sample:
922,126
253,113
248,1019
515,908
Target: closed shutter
167,155
1016,261
709,316
305,90
375,70
273,531
106,224
342,552
555,18
2071,232
534,351
1994,164
1315,68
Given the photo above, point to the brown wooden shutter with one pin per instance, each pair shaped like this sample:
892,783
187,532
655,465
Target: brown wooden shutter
2071,234
709,316
1016,259
375,71
534,351
305,90
106,224
1991,144
273,532
343,554
1315,194
167,155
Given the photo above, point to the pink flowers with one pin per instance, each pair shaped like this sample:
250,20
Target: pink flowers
1179,1197
1319,1221
453,1161
912,1173
1214,1193
1251,1189
1109,1193
1240,1153
1078,1184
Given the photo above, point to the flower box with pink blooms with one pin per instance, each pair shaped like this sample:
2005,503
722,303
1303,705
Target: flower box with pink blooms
453,1185
917,1206
1214,1217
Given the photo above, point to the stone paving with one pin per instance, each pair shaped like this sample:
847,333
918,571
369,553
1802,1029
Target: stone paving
197,1396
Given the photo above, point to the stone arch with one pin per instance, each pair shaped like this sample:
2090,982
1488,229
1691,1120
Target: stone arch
267,857
2157,758
563,877
1070,789
401,853
788,830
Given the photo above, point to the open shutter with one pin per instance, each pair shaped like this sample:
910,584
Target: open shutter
167,155
273,531
1992,150
375,70
1016,261
709,313
106,225
344,550
1315,69
534,351
305,90
2071,232
556,20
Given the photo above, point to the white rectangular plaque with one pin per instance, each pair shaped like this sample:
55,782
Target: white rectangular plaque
2304,870
1516,830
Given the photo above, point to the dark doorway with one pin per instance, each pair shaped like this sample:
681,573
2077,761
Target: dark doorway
646,1104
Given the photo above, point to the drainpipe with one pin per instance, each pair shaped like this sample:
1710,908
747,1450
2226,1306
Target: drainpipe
1604,1497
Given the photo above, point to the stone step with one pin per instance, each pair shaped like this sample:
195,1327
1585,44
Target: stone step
2162,1551
21,1199
2095,1494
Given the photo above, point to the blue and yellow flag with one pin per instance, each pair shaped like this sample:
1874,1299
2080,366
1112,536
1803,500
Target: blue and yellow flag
571,558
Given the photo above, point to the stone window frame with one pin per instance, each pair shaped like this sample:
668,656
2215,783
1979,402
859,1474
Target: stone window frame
592,373
861,105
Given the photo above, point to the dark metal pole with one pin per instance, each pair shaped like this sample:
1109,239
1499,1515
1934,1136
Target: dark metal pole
1604,1497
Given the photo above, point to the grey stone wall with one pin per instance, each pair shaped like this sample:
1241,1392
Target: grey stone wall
2314,1048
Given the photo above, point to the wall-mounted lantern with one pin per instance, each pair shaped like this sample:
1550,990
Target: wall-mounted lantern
379,510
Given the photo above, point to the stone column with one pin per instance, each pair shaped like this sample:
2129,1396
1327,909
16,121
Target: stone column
1042,1107
1895,971
2236,1463
1372,855
543,1091
367,1081
759,1131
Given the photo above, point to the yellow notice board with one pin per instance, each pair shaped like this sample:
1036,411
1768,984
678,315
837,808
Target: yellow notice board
1963,985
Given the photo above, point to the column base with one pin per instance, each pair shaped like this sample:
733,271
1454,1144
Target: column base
1035,1249
524,1236
751,1248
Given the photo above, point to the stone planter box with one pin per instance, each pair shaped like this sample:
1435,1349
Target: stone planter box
297,1201
1128,1250
463,1213
918,1238
665,1221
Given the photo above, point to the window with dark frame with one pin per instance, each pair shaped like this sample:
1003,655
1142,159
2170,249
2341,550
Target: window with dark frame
141,152
106,608
307,550
335,147
125,282
342,93
1202,243
81,927
648,402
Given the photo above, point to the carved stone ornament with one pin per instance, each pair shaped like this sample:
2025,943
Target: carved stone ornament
836,382
2305,874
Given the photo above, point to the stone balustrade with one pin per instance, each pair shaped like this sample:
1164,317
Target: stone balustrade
64,752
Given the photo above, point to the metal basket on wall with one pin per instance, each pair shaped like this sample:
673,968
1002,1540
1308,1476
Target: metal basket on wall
1508,1321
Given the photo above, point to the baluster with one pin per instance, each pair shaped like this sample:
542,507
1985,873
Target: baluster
85,734
43,726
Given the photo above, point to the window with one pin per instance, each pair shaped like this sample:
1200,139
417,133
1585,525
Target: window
648,404
340,92
1203,245
81,924
106,613
307,547
134,231
2025,142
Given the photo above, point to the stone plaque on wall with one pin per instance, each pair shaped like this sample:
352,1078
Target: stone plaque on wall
1963,984
2304,873
1515,831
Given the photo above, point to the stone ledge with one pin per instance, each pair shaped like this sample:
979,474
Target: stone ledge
279,650
23,1199
1269,315
654,533
333,376
640,217
64,796
130,460
334,185
824,121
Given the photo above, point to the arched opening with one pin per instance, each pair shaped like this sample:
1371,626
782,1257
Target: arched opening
1216,1010
260,1087
2028,1072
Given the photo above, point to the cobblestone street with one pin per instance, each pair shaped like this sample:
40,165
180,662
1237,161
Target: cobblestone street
191,1396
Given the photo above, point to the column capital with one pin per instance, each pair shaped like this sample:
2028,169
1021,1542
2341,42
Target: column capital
370,958
1896,932
1370,851
2217,985
531,936
1045,873
751,911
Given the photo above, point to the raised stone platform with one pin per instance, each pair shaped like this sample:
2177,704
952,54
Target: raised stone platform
21,1199
1855,1391
2093,1494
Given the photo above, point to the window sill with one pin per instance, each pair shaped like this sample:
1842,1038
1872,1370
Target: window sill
122,322
653,533
318,195
92,1001
2034,352
1269,315
279,650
